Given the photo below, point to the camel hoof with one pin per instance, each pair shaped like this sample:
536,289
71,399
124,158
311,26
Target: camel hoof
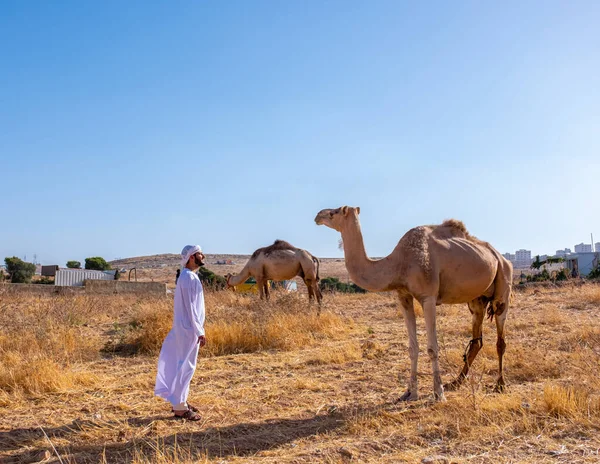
439,397
500,388
408,396
453,386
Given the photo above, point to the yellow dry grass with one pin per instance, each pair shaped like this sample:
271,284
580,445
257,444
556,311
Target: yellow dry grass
277,383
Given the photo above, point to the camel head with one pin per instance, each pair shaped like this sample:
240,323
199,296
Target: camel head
227,278
335,218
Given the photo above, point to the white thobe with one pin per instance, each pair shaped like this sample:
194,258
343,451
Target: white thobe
179,352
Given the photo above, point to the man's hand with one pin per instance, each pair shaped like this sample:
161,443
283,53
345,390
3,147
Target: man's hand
201,340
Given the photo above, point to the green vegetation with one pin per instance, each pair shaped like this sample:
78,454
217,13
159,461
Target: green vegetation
211,280
96,263
20,271
550,260
595,274
333,284
74,265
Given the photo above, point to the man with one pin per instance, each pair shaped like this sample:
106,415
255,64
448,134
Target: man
179,352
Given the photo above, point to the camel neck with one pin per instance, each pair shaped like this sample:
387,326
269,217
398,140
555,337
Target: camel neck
364,272
241,277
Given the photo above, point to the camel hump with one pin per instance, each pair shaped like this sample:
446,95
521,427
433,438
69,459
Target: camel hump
282,245
456,224
277,245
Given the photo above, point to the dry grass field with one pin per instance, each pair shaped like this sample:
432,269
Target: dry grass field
277,383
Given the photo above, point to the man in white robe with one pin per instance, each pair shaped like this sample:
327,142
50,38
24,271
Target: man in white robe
179,352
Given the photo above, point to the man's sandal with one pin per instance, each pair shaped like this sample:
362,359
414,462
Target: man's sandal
189,415
190,407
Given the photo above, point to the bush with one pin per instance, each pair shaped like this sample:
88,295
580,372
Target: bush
74,265
96,263
44,281
211,280
541,277
595,274
333,284
563,274
20,271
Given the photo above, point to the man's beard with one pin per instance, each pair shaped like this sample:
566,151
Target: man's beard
199,262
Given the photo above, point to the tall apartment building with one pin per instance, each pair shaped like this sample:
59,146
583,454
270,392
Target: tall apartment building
583,248
522,258
563,253
510,256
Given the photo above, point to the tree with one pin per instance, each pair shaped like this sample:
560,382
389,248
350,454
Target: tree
96,263
73,264
20,271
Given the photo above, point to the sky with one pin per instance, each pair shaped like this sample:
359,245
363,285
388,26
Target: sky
135,128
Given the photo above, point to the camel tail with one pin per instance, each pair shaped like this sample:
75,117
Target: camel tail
502,289
316,260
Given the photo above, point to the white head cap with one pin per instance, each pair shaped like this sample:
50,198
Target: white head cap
187,252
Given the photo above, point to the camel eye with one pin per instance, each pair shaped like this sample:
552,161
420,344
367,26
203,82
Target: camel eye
331,214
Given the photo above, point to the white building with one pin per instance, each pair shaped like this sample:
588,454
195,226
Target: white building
509,256
583,248
522,258
563,253
597,247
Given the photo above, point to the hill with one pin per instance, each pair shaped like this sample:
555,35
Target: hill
162,267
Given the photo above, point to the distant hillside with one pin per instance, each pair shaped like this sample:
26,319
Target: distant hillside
170,259
162,267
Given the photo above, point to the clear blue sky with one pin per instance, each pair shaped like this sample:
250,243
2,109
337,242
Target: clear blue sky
134,128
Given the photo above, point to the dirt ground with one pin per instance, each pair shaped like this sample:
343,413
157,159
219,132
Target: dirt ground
334,401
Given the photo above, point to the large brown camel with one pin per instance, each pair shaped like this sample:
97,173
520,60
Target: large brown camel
280,261
438,264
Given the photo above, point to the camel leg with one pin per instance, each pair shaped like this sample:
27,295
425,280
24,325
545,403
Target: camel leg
429,310
260,283
311,291
319,295
267,291
412,390
477,308
500,344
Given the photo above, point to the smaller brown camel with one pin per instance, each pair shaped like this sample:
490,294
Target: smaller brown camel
436,264
280,261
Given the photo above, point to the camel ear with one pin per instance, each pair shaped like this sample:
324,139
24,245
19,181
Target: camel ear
345,210
358,210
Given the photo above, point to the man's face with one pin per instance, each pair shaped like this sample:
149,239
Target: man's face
199,259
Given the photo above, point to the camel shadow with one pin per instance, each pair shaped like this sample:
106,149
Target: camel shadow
243,439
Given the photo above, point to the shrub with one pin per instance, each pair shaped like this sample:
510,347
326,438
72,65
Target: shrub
541,277
563,274
333,284
96,263
20,271
211,280
74,265
595,274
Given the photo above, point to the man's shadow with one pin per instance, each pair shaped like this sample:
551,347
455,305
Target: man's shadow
234,440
